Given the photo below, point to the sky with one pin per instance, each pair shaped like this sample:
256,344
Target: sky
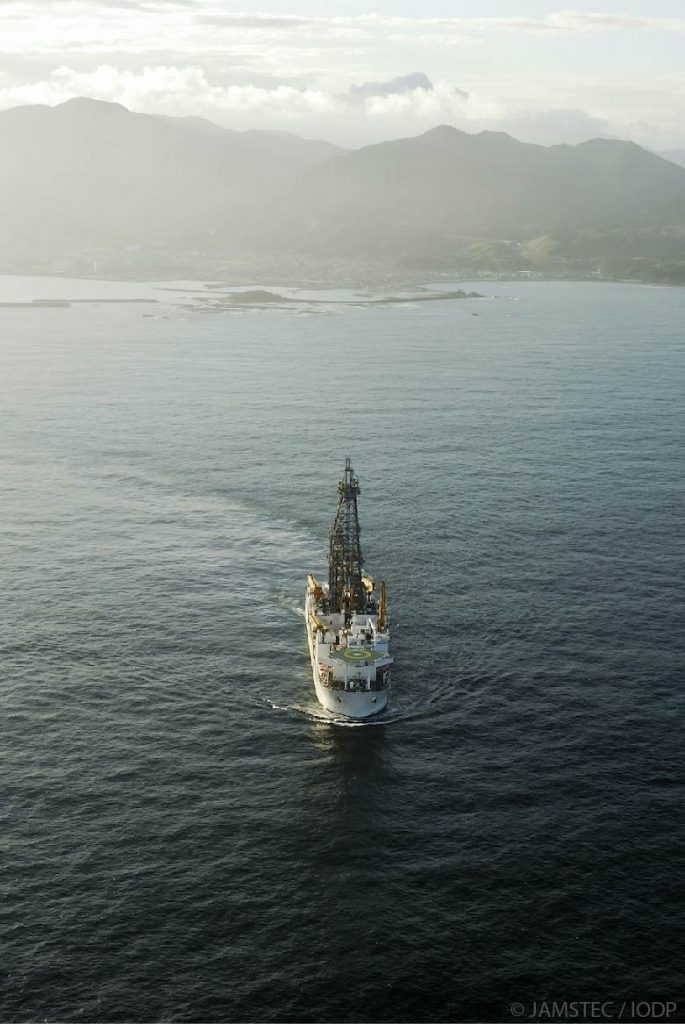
357,72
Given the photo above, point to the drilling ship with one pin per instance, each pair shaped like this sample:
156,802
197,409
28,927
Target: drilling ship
347,620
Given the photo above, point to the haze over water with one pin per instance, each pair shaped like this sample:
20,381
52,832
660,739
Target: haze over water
185,839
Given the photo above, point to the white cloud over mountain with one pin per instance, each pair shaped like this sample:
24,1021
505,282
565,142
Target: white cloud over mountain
343,77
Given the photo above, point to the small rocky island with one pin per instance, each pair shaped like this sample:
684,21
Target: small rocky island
261,297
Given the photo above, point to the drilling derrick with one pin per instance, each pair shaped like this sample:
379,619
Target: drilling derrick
346,591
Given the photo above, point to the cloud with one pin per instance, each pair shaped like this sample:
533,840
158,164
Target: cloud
282,22
42,26
341,77
401,106
560,124
405,112
165,89
189,90
583,22
405,83
400,86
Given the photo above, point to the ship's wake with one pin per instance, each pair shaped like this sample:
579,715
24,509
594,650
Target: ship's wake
289,604
428,704
316,713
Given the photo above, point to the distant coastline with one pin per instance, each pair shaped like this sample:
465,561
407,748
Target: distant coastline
256,274
41,292
94,189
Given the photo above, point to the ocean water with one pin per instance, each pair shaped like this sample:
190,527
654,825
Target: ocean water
184,838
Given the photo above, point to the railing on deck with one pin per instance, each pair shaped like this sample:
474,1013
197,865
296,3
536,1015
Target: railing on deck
352,685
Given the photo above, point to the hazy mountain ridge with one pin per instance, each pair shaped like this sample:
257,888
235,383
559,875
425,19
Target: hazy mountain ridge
93,173
96,172
676,156
448,183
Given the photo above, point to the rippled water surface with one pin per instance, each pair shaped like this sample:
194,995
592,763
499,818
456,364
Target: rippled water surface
184,837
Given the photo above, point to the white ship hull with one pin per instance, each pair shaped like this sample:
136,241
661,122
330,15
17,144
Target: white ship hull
348,704
355,703
351,705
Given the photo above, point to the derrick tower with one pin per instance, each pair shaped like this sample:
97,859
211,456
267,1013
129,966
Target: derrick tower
346,591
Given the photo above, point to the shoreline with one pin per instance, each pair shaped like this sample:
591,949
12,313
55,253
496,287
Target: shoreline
212,283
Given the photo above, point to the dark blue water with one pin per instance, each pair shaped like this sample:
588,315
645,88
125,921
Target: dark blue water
183,838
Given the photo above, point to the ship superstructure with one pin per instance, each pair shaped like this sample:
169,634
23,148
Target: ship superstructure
347,620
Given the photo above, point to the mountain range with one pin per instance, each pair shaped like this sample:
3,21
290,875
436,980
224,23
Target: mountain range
90,173
676,156
96,173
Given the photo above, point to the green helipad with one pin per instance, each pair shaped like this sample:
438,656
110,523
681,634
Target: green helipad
357,654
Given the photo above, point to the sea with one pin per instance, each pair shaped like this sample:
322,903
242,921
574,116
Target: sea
185,835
